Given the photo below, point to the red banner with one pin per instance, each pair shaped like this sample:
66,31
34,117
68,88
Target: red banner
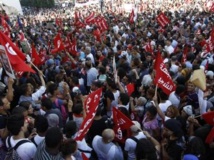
91,105
162,77
15,55
35,57
162,20
121,122
90,18
58,44
131,17
184,57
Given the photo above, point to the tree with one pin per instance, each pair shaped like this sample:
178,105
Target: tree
38,3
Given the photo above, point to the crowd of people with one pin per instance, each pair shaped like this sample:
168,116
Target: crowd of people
41,113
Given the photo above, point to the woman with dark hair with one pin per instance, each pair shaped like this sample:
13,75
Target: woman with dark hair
195,148
145,149
173,140
150,122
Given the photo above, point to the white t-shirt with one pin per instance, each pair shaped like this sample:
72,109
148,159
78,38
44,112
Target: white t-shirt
130,145
107,151
38,139
25,151
164,106
174,99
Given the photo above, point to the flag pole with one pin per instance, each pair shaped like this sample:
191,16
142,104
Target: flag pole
36,68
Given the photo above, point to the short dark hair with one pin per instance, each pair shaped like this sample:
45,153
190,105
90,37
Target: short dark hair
124,98
25,104
152,110
53,137
18,110
77,108
41,124
15,123
47,103
52,88
68,147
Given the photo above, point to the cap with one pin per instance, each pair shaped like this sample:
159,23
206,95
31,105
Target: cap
188,110
210,74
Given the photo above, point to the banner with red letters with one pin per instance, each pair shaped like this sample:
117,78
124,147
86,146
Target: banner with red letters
162,77
91,105
121,122
162,20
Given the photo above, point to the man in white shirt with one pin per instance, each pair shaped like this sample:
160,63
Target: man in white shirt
131,144
105,148
17,126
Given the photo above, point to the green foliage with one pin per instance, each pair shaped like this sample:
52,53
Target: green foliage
38,3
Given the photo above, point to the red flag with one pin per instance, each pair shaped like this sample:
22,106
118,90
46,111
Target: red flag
84,156
148,48
14,54
5,26
42,55
15,48
210,136
59,22
90,18
162,77
212,36
97,35
162,19
35,57
209,117
130,88
73,48
184,57
131,17
121,123
212,8
91,105
58,44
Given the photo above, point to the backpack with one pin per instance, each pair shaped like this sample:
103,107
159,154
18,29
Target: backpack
12,153
62,109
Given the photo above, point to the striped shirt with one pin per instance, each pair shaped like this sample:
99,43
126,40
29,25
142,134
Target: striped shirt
42,154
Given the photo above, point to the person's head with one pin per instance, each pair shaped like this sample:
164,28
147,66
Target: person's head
190,87
53,138
108,135
172,111
123,99
20,110
196,147
150,93
151,112
187,111
53,120
180,89
88,62
134,129
27,89
27,105
77,109
4,104
148,152
68,148
46,104
95,85
70,129
163,96
16,124
53,89
172,128
41,124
